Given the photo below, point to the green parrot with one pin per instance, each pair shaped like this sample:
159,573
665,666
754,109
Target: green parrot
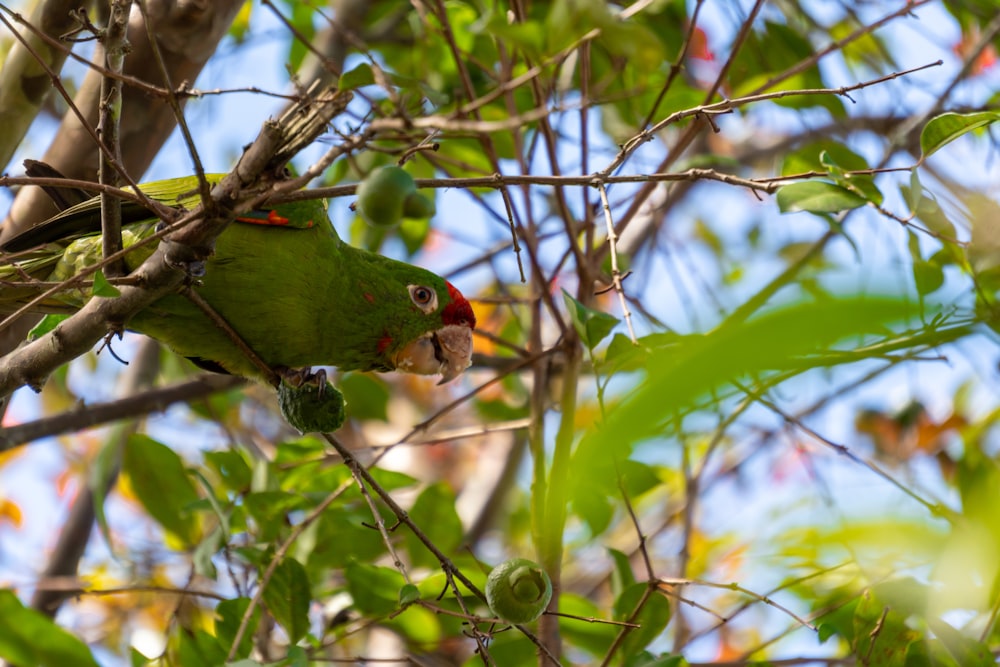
281,278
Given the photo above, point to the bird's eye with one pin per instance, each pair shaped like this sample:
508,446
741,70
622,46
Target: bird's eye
424,297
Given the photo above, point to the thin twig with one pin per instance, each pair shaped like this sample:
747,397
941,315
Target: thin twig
616,276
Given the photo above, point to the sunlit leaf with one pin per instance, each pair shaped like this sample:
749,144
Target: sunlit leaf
161,483
817,197
881,633
593,326
944,129
678,375
408,594
28,637
45,325
967,651
102,287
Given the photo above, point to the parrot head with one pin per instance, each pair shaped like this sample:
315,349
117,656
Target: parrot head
447,350
424,323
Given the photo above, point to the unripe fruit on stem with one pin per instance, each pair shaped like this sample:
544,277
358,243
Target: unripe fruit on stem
388,195
418,206
518,590
382,196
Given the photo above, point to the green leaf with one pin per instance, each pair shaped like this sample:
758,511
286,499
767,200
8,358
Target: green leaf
862,185
944,129
678,375
413,232
408,594
357,77
810,157
105,468
296,657
434,512
229,615
161,483
595,509
367,397
137,659
623,354
927,276
622,576
595,638
102,287
198,648
967,651
925,207
653,616
825,631
337,527
287,596
375,589
817,197
915,192
45,325
418,625
593,326
881,633
28,637
270,510
231,467
929,653
674,661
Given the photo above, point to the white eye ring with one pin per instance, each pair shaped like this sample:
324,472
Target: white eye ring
424,298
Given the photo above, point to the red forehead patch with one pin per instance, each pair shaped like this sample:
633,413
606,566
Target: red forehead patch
458,311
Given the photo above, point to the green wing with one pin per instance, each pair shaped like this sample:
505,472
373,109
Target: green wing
85,218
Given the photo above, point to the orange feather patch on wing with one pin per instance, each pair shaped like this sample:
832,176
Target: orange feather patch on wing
272,219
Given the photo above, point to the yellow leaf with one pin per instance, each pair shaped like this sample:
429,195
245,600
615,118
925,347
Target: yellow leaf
10,511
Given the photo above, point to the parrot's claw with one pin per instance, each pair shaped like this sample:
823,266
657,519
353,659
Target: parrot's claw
298,377
308,402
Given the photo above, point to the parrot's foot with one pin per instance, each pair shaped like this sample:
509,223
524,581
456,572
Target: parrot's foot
308,402
297,377
193,262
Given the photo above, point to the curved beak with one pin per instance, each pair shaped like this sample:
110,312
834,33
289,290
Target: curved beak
447,351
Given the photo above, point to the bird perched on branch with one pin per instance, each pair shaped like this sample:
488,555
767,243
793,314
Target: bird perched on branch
280,279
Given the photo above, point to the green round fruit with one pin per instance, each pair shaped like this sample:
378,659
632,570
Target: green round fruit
518,590
310,410
418,206
382,196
